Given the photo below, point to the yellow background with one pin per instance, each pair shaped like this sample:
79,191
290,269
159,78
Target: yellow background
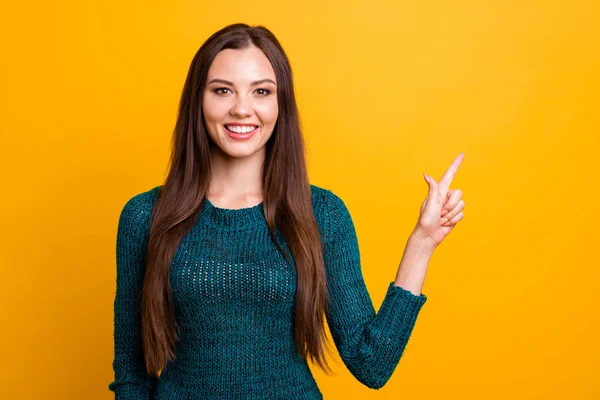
387,91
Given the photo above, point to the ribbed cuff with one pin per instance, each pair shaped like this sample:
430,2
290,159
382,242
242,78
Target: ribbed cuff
399,310
131,391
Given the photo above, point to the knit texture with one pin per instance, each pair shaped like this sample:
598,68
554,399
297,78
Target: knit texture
234,299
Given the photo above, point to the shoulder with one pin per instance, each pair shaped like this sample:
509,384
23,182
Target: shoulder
317,194
133,233
137,210
330,210
325,200
322,196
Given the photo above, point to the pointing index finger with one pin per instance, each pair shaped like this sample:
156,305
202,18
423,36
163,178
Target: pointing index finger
444,183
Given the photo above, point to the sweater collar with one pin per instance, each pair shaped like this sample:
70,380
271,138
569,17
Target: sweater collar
233,219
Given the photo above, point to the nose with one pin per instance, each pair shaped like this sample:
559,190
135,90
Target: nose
242,107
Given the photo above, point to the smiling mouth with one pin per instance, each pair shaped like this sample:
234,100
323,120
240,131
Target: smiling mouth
241,130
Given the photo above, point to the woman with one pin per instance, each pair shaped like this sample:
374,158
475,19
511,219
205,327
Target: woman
226,272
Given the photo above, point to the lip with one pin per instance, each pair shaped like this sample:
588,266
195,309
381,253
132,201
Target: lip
241,123
241,136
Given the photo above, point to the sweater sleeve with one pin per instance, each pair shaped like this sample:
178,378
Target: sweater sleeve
131,381
370,344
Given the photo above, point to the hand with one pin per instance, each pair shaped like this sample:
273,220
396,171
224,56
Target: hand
442,208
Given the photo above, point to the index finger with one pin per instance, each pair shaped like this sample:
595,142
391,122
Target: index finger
444,183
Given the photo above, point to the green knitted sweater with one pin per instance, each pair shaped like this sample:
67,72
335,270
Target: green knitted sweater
234,297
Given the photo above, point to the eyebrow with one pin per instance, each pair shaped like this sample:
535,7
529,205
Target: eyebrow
253,83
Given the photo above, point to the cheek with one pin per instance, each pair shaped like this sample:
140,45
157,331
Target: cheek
214,111
267,113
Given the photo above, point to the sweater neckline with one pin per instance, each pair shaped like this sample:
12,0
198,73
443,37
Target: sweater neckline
233,218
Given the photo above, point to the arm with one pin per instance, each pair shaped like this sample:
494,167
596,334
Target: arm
370,344
131,382
413,267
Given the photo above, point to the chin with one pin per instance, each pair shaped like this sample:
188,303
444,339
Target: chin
240,151
240,154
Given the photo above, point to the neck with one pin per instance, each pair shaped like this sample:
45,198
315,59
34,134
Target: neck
236,181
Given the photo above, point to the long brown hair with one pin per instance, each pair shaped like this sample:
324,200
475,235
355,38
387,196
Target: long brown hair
287,203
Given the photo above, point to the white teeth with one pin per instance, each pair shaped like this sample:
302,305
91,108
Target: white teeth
240,129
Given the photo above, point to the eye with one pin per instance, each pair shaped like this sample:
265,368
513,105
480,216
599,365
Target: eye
267,91
221,88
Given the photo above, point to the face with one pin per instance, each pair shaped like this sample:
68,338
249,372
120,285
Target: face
240,95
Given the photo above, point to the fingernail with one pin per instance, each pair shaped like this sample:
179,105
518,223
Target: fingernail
443,221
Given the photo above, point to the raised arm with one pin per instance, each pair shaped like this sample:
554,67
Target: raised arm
370,344
131,381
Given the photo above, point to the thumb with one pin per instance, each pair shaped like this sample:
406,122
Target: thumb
433,188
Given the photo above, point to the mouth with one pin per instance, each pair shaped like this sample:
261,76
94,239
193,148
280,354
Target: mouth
240,129
241,132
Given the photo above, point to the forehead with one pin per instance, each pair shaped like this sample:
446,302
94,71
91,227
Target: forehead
241,66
